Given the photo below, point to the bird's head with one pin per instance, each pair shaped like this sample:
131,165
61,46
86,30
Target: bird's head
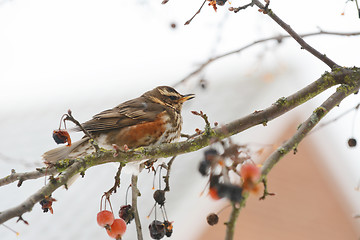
168,96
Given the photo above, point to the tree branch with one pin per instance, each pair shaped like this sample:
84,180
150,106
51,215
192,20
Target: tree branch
47,190
296,36
349,78
21,177
230,225
135,194
277,38
334,100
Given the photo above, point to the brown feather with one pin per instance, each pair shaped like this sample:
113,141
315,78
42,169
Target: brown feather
129,113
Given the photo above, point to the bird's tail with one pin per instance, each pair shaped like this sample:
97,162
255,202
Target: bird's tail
64,152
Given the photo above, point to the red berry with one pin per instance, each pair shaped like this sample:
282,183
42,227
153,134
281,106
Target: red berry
117,229
105,218
250,172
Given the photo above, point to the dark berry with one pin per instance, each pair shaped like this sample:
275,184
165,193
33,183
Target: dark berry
126,213
232,192
352,142
220,2
159,196
214,180
46,204
168,228
212,219
235,193
157,229
203,83
204,167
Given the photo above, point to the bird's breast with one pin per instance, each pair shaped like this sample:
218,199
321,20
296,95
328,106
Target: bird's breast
163,129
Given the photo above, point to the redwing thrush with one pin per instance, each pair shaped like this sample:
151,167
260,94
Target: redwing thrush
152,118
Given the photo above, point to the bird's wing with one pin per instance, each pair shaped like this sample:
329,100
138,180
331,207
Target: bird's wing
126,114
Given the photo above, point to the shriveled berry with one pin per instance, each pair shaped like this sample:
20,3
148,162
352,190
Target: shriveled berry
159,196
220,2
61,136
117,229
352,142
157,229
126,213
212,219
168,228
105,218
46,204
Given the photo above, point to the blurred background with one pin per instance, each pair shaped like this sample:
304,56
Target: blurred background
91,55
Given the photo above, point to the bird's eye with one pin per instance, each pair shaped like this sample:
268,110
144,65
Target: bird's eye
172,97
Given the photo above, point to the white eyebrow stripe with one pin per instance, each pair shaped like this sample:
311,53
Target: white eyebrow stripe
167,93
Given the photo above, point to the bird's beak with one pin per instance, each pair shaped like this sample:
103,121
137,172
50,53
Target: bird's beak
186,97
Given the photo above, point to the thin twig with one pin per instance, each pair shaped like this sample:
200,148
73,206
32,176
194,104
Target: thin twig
277,38
266,192
135,194
243,7
296,36
69,117
167,177
188,21
116,183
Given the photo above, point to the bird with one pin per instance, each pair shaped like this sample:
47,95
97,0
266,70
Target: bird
151,119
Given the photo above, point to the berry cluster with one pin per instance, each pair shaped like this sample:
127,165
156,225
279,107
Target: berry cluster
159,229
115,228
222,170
